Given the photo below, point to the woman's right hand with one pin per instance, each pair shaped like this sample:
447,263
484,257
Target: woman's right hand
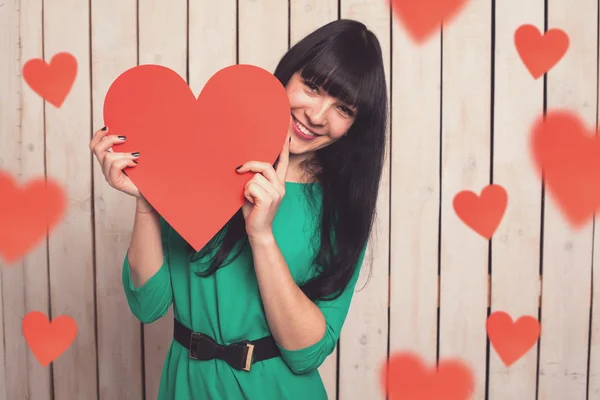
113,163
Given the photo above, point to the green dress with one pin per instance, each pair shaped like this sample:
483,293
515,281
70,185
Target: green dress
227,306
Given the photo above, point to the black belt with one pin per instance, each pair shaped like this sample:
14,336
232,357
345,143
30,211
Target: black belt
240,355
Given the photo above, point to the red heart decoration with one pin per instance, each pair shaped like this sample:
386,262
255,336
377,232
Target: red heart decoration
540,53
512,340
405,377
423,18
53,81
48,340
569,156
27,213
482,214
189,148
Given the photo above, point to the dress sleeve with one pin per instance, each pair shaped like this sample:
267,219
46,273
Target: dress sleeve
150,301
304,360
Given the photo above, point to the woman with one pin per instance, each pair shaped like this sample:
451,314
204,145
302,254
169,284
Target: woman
261,306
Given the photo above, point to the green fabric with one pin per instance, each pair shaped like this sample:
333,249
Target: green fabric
228,307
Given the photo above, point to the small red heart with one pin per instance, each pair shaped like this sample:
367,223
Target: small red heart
53,81
482,214
512,340
423,18
27,213
569,156
46,340
190,148
540,53
405,377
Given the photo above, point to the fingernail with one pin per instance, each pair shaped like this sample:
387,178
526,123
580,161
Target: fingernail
135,154
122,137
103,129
290,139
134,161
239,167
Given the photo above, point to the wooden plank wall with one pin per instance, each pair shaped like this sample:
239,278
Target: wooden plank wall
461,107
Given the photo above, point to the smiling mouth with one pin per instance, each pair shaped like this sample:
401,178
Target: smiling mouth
302,130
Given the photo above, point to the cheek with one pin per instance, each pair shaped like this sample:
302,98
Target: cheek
339,127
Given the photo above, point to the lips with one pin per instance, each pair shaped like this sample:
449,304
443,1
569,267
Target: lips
299,133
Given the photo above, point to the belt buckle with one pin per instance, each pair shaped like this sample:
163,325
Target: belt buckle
249,353
194,340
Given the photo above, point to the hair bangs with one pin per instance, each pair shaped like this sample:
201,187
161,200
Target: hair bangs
342,77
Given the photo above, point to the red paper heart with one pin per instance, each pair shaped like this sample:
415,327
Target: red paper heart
569,156
189,148
512,340
27,213
540,53
405,377
423,18
482,214
53,81
48,340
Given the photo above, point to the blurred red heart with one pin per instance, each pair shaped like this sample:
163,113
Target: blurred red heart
27,213
482,213
405,377
423,18
48,340
568,153
512,340
52,81
189,148
540,52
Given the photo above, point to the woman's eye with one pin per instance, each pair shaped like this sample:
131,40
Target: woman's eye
347,111
311,86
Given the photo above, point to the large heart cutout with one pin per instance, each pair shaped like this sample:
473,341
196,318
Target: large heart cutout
405,377
540,52
482,213
48,340
27,213
512,340
423,18
189,148
52,81
569,156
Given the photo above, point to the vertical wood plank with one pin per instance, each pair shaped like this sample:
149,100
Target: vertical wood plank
66,28
207,55
114,50
309,15
13,374
305,17
466,51
567,252
416,91
162,40
10,163
516,244
263,32
363,342
25,284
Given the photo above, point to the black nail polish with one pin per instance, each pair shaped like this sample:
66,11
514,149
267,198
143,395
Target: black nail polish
290,139
135,154
122,137
238,167
103,129
134,161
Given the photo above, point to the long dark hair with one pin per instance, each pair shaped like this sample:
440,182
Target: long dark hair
344,58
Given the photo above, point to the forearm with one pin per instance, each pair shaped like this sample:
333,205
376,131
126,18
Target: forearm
295,321
145,248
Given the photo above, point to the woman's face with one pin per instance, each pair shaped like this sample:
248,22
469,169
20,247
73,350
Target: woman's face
317,119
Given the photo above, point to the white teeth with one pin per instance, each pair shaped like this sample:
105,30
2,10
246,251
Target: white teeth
302,128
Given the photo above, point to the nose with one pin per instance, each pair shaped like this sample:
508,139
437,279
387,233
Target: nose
317,114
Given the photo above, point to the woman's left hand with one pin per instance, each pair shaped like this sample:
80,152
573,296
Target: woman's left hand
264,193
